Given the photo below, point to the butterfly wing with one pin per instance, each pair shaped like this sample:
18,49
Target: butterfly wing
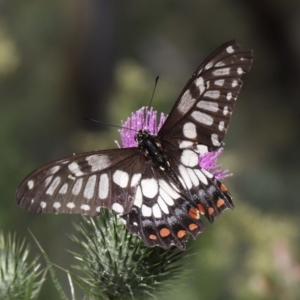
84,183
196,124
165,212
203,110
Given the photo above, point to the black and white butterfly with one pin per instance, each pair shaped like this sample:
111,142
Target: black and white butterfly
158,187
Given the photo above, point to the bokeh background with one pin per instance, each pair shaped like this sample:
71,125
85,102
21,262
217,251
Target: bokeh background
61,61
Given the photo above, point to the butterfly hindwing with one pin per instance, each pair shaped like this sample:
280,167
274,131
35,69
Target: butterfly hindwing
160,214
165,213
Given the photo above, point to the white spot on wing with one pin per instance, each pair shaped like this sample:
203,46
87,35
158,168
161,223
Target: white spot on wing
168,189
71,205
85,207
30,184
212,94
208,105
90,187
219,64
156,211
208,65
48,180
138,200
221,72
103,186
219,82
146,211
209,175
234,83
174,187
121,178
229,96
98,208
163,205
56,205
74,169
135,179
240,71
98,162
229,49
149,187
77,187
118,208
189,158
184,175
199,82
201,176
202,118
215,139
201,149
221,125
53,186
225,110
185,144
189,130
71,177
186,102
166,197
64,189
54,169
193,177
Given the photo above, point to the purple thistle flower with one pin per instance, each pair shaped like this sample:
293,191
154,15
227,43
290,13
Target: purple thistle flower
208,161
147,119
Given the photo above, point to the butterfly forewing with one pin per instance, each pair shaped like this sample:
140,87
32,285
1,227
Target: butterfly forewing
158,187
204,107
84,183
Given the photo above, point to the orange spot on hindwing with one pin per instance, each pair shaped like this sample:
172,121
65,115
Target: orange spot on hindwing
193,226
152,237
220,202
164,232
194,213
223,187
210,211
181,233
201,209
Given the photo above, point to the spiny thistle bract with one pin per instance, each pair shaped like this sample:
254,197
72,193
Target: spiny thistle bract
117,265
19,278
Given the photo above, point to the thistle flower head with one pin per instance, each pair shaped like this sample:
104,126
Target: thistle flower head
20,278
146,118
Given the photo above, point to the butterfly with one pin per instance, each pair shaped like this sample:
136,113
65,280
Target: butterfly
157,187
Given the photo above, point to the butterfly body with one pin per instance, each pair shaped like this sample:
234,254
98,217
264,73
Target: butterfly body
156,187
152,149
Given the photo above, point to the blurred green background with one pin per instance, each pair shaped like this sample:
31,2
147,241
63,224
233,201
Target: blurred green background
61,61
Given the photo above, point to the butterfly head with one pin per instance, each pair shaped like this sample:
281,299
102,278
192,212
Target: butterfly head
142,135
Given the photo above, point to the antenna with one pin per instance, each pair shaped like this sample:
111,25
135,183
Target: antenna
103,123
155,84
